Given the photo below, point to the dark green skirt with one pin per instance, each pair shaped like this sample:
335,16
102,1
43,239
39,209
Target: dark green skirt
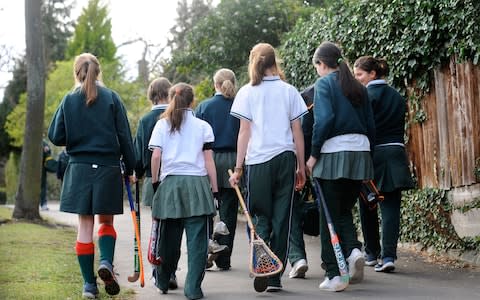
355,165
90,190
183,196
147,191
223,162
391,169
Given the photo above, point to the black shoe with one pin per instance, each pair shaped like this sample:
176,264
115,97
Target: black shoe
172,283
260,284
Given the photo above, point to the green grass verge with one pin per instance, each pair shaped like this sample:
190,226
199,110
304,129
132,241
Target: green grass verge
39,262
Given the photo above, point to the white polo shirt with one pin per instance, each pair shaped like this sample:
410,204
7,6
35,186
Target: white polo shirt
270,107
182,152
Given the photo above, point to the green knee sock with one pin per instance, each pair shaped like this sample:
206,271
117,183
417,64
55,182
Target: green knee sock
85,254
106,242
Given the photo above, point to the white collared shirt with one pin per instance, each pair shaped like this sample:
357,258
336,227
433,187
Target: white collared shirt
270,107
182,151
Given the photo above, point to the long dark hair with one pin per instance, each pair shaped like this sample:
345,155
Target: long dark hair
181,97
329,54
370,63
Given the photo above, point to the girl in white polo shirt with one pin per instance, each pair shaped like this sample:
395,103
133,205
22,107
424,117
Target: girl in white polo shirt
270,143
181,145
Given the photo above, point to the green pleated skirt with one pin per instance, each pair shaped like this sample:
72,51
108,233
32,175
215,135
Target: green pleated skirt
183,196
147,191
90,189
223,162
391,169
355,165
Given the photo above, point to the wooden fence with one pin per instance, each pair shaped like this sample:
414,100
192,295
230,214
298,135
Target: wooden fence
443,149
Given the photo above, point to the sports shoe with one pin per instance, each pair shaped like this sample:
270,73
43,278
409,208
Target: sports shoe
90,290
356,262
370,260
214,247
172,283
221,228
333,285
273,289
386,266
44,207
299,268
260,284
105,272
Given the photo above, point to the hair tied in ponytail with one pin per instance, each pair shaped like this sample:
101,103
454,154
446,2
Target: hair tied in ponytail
178,91
339,60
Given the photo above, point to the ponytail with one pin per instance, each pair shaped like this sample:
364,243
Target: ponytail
370,63
225,80
86,72
329,54
181,97
262,57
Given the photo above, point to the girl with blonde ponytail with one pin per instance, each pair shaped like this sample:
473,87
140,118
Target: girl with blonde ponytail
216,111
183,178
92,123
270,144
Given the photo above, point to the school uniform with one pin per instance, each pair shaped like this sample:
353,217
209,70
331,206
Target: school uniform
296,251
342,138
392,174
216,111
143,154
184,199
96,137
270,160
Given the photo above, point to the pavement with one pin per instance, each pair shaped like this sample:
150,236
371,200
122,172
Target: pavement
415,277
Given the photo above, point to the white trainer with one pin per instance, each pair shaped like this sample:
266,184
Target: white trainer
214,247
336,284
299,268
356,263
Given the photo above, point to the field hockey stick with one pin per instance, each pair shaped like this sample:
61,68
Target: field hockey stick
337,249
136,264
263,262
137,231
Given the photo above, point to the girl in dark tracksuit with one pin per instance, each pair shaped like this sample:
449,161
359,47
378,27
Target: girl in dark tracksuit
184,173
390,162
343,133
270,142
216,111
92,123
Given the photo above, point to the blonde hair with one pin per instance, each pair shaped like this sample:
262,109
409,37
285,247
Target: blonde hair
181,97
158,90
86,71
226,81
262,57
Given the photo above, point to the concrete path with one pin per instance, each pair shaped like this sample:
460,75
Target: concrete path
414,278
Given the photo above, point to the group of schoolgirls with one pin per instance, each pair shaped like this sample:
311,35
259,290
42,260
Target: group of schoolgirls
184,156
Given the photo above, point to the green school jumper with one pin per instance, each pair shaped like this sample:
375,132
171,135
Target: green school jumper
143,154
339,173
391,172
96,137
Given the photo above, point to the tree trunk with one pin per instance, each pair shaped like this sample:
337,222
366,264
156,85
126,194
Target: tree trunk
28,192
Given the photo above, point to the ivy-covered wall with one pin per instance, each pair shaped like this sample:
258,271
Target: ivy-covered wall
416,38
